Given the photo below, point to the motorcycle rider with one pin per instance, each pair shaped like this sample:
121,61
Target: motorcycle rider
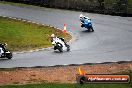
84,19
3,46
4,52
54,38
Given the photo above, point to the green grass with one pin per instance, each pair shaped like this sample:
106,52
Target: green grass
64,85
57,85
25,36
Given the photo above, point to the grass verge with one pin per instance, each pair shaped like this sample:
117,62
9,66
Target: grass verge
21,35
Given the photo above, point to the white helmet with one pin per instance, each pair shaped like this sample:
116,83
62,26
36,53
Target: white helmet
52,35
81,16
5,44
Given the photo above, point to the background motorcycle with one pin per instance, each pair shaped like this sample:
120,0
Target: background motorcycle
5,54
87,24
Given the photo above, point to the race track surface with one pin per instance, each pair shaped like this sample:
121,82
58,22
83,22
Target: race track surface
111,41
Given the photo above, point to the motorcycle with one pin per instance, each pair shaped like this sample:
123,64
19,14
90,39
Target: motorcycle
87,24
60,45
5,54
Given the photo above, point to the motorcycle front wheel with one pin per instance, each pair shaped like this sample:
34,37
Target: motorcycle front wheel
9,56
90,29
68,47
60,49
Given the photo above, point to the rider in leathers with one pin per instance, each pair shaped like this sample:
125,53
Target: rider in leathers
83,20
55,38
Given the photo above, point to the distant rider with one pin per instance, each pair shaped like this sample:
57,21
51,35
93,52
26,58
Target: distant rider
82,17
84,20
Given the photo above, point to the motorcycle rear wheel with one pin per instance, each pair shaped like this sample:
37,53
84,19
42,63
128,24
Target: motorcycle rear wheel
60,49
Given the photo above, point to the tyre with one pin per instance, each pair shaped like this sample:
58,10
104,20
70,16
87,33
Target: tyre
55,47
68,47
89,29
92,30
81,80
60,49
9,56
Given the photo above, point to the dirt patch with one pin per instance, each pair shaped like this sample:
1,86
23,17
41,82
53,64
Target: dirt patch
62,74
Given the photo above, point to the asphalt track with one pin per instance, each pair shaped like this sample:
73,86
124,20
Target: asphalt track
111,41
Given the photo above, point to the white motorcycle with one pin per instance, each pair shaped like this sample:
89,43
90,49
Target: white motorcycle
5,54
60,45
